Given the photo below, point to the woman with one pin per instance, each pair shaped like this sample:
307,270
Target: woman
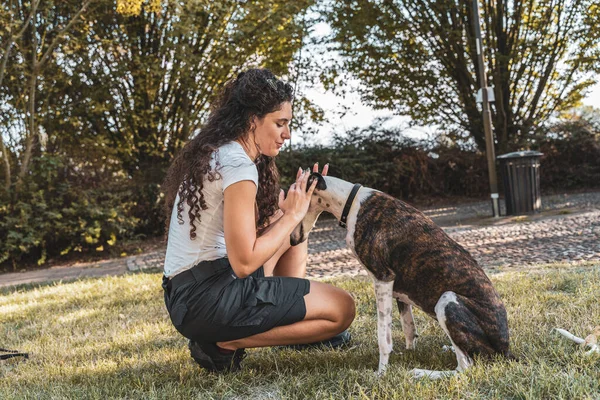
232,280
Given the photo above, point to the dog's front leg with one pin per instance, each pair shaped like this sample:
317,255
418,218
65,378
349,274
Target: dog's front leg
383,294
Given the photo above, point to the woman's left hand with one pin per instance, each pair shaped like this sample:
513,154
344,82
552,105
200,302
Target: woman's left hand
315,169
279,213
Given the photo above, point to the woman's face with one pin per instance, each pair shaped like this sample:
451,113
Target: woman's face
273,130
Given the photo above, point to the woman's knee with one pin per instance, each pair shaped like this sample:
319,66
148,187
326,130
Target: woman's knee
346,309
329,302
349,309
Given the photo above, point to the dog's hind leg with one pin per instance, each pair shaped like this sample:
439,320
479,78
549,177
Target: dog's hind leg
464,331
408,324
473,328
383,294
460,325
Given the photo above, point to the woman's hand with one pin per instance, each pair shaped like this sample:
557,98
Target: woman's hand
298,206
325,168
315,169
298,197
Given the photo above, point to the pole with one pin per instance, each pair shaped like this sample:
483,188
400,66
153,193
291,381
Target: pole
487,116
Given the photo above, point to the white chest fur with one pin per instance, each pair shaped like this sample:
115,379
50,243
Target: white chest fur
362,194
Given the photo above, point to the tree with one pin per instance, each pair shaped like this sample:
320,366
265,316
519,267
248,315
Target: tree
7,46
419,58
36,41
156,72
137,80
116,92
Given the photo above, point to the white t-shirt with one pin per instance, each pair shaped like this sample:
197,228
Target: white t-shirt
182,252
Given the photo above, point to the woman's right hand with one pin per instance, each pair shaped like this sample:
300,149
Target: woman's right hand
297,201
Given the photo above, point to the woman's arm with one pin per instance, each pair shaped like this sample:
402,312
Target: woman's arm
246,251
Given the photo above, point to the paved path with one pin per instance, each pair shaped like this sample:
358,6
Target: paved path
568,230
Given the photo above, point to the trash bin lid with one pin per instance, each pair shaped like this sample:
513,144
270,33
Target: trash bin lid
521,154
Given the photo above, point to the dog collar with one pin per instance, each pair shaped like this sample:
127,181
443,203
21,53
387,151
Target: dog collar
348,205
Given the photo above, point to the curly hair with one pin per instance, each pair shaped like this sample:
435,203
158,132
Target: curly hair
254,93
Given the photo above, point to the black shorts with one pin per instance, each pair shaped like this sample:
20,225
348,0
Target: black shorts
208,303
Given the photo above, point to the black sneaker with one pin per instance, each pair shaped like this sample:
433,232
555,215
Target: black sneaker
338,341
214,359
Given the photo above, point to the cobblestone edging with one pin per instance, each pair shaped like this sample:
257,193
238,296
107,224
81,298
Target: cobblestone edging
571,235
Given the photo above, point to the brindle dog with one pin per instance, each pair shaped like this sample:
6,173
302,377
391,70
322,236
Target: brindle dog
414,261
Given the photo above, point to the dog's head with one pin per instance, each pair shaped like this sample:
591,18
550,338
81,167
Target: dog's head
300,233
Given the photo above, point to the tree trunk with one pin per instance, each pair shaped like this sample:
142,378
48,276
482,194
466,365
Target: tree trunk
5,156
3,150
32,134
12,39
36,66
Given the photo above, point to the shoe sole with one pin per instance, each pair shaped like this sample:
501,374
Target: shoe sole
207,363
202,359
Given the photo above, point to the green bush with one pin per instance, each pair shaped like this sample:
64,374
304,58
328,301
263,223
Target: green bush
571,158
386,160
458,172
54,215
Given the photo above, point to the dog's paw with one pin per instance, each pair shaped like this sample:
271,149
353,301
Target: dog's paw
381,371
446,348
420,373
426,373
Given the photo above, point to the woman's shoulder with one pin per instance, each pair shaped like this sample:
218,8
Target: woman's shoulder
232,153
232,147
234,165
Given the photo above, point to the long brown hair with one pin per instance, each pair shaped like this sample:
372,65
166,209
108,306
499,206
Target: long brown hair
256,92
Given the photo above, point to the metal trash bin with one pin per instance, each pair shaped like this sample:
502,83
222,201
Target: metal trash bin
521,180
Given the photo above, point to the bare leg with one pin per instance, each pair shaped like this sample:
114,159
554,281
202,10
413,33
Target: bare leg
288,260
329,310
293,261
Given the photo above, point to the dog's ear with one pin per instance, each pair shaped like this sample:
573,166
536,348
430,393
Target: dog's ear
321,184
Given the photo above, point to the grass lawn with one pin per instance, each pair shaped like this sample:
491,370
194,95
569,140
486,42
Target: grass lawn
111,338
